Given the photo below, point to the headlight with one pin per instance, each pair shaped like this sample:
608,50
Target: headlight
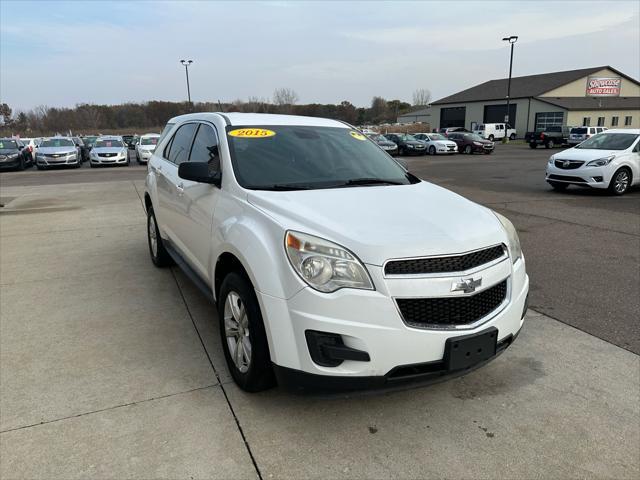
71,154
323,265
601,162
477,143
93,154
515,251
410,146
551,159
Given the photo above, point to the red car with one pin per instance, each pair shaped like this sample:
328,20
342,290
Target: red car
471,142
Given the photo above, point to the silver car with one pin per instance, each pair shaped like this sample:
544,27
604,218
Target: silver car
109,151
146,146
58,151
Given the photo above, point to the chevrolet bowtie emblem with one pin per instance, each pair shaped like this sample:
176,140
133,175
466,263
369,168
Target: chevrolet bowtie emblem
466,285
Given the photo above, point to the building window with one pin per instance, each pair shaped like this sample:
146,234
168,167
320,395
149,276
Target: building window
601,121
586,121
549,119
627,121
614,121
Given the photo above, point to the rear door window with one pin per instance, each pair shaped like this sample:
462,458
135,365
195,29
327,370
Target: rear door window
181,143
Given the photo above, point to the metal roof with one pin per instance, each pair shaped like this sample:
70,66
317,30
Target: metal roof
523,87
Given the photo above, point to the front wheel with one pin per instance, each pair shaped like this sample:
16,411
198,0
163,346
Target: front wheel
243,336
21,164
620,182
432,150
550,144
491,137
159,255
468,150
512,137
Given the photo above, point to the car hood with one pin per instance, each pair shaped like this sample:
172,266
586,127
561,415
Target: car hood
585,154
414,142
49,150
146,147
9,151
107,149
382,222
387,144
443,143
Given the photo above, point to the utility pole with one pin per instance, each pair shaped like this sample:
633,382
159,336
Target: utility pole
512,40
186,64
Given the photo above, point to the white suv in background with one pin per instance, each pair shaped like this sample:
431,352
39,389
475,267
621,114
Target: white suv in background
608,160
580,134
331,265
146,146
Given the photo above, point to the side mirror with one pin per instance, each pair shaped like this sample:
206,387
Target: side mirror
199,172
20,147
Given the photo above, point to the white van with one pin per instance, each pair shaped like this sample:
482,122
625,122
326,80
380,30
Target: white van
492,131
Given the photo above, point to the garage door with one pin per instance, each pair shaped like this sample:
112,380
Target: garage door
452,117
549,119
496,113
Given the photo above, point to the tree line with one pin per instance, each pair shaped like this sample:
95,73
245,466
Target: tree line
152,115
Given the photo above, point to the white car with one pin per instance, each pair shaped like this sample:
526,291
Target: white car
607,160
580,134
331,265
109,150
495,131
146,146
31,144
437,143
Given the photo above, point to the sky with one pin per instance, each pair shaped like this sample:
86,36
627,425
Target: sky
63,53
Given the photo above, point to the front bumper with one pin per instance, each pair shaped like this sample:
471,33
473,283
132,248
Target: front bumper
56,162
369,321
108,160
594,177
144,155
10,164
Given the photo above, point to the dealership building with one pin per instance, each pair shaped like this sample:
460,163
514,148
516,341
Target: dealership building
598,96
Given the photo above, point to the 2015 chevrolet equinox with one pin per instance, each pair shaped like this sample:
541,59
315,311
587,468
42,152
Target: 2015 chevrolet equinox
330,264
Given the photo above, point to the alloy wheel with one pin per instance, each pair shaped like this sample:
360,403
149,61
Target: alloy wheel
621,182
153,239
236,329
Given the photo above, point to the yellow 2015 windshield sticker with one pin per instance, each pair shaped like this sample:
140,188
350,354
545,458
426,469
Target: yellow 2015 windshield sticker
357,136
252,133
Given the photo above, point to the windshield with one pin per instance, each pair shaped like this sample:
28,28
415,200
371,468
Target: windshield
89,140
609,141
474,137
108,143
149,141
480,127
58,142
302,157
8,145
437,136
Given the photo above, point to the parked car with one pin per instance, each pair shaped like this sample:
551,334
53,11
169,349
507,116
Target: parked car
109,150
146,146
447,130
437,143
326,268
14,154
608,160
471,143
84,151
31,145
493,131
407,144
384,143
57,152
549,137
580,134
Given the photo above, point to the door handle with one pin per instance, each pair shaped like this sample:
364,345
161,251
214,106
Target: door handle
180,188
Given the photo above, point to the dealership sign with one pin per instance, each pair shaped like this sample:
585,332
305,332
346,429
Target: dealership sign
603,86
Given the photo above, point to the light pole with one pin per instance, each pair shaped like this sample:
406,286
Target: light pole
512,40
186,64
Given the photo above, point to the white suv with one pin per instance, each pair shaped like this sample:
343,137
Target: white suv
331,265
580,134
607,160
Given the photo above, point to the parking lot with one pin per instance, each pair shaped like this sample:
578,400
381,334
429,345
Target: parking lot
111,368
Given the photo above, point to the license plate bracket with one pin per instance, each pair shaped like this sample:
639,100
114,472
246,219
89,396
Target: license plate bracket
468,350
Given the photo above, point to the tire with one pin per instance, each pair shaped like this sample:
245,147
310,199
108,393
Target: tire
468,150
491,137
39,167
620,181
91,164
401,152
21,164
159,255
138,159
241,326
432,150
512,137
559,187
549,144
533,145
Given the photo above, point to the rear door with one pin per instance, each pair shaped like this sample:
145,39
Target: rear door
197,201
176,152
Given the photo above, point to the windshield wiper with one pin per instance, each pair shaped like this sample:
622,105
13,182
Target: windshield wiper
372,181
279,187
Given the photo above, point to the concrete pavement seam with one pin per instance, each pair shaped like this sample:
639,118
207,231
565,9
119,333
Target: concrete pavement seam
107,409
220,384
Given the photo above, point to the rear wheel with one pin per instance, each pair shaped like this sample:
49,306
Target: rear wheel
468,150
243,336
533,145
620,182
159,255
559,187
